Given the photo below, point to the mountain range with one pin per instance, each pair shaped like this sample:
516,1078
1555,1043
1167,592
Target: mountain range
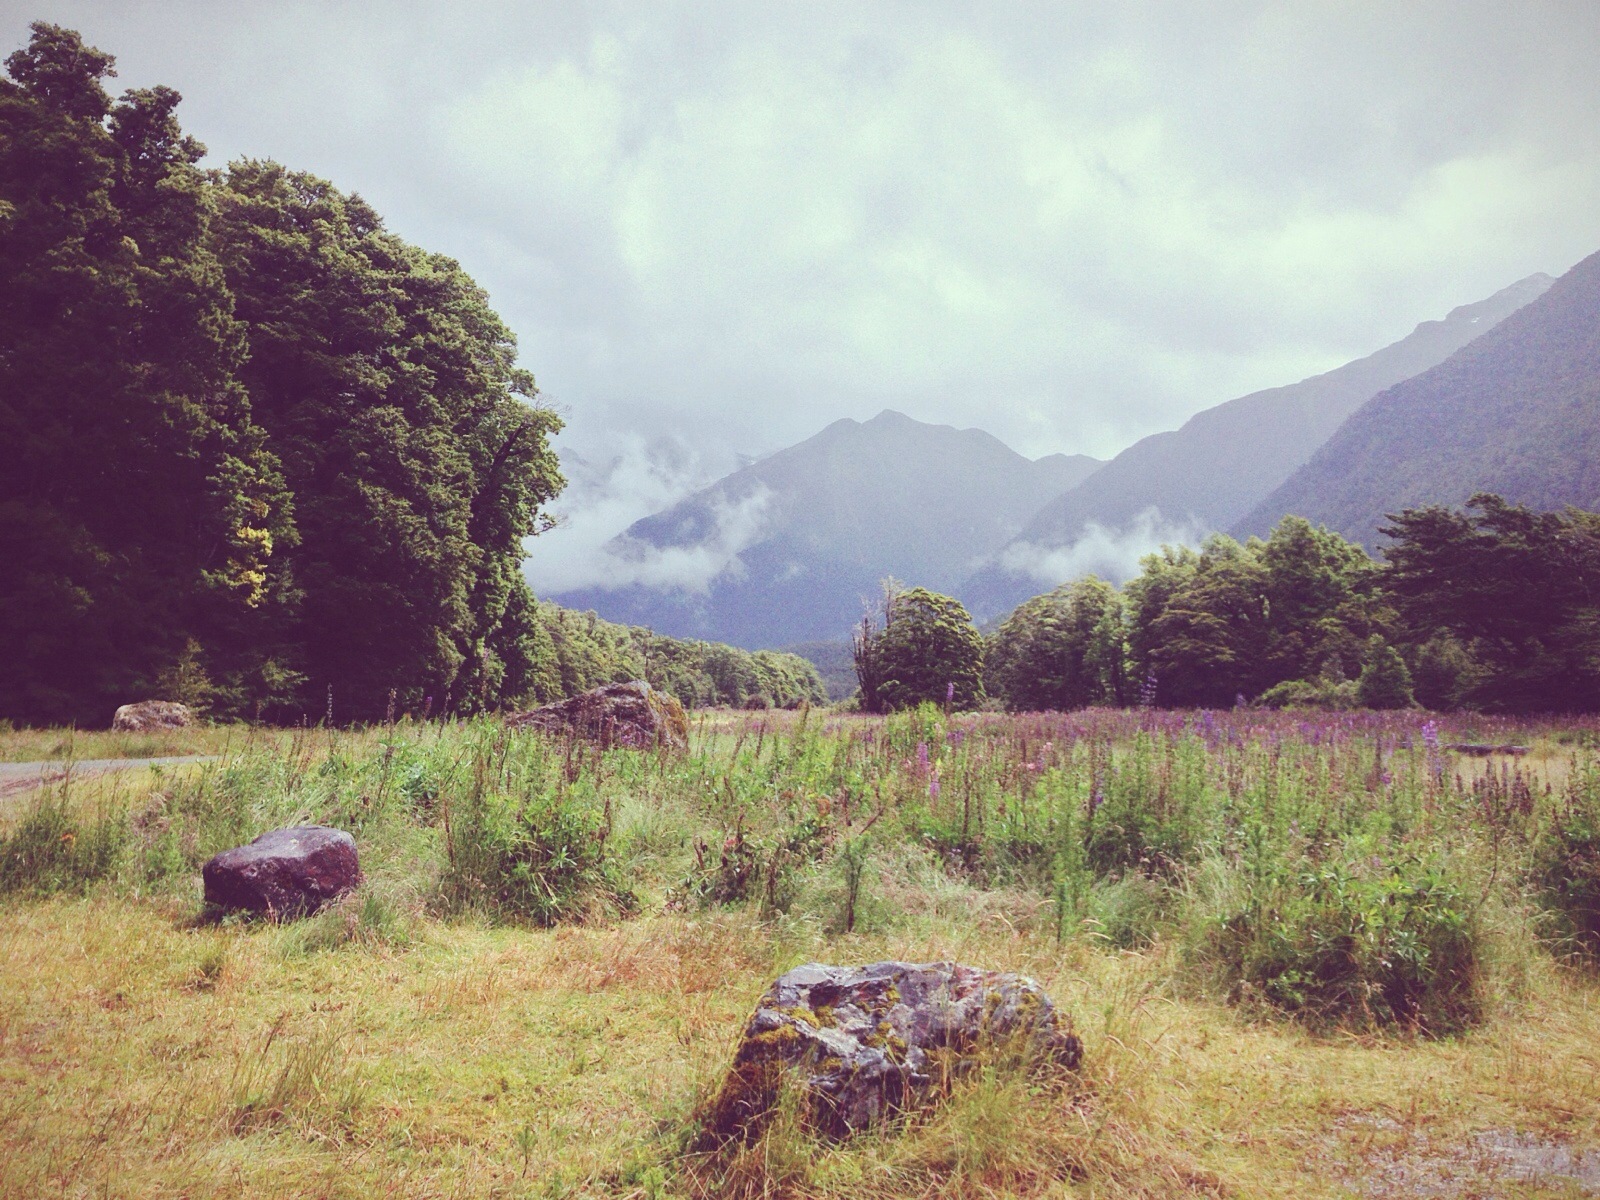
1516,411
1215,469
1501,395
788,548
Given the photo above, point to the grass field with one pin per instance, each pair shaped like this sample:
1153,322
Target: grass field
1308,956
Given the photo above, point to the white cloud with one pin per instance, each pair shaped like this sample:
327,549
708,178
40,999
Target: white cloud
602,501
1112,554
1072,224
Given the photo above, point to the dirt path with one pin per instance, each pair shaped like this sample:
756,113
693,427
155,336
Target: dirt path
17,778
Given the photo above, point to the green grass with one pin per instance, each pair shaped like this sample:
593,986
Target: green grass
1298,954
77,745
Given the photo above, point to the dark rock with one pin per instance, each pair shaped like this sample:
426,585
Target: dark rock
619,714
150,715
1483,749
285,873
863,1042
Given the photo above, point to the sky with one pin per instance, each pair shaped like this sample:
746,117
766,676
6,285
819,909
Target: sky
718,227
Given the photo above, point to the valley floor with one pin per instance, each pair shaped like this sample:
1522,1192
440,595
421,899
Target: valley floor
143,1055
147,1052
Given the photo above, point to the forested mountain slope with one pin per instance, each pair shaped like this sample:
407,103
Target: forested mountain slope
786,548
1516,412
1226,460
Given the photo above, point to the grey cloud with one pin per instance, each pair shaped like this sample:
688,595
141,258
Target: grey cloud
1069,224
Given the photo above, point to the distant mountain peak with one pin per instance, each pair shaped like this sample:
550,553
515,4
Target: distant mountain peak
785,549
1218,466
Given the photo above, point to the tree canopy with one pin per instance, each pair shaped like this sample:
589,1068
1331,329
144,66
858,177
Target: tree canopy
259,442
1494,607
927,652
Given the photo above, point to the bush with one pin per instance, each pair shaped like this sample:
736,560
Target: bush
1310,693
1566,869
52,850
541,858
1385,682
1351,943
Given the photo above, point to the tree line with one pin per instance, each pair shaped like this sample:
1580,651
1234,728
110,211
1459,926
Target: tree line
1492,606
260,452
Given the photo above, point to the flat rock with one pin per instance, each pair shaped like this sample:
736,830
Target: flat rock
1484,749
632,714
285,873
864,1042
150,715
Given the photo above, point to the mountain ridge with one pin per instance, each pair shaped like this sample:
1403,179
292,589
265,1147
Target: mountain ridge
1516,411
1212,470
788,546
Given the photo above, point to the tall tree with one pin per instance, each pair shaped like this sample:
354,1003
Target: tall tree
1061,651
929,651
140,509
1520,588
390,391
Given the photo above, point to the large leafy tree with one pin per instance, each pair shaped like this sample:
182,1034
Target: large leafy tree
141,511
1061,651
390,392
259,447
1519,589
928,651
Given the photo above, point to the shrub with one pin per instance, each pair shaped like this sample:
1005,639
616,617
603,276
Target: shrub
1385,682
1310,693
1127,913
539,858
1566,868
51,849
1343,943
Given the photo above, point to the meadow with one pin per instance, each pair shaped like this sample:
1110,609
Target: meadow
1308,954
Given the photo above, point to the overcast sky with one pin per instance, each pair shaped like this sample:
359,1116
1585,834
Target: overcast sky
1069,224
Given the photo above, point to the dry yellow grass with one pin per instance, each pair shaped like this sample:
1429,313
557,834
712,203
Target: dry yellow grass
142,1054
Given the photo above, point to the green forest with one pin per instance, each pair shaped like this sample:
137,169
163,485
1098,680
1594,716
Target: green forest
265,456
1493,607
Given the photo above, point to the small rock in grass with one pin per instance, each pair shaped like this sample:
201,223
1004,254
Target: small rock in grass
863,1042
285,873
147,716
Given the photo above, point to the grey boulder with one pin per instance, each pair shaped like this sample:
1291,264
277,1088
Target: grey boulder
149,715
634,715
285,873
864,1042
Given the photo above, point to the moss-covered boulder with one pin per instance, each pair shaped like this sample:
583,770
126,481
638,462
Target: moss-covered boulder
619,714
152,716
863,1042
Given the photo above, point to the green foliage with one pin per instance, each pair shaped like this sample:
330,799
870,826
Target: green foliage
589,652
1358,941
1566,866
540,856
1060,651
1514,586
140,505
928,652
1490,608
1443,673
261,446
1238,620
52,848
1336,695
1385,682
